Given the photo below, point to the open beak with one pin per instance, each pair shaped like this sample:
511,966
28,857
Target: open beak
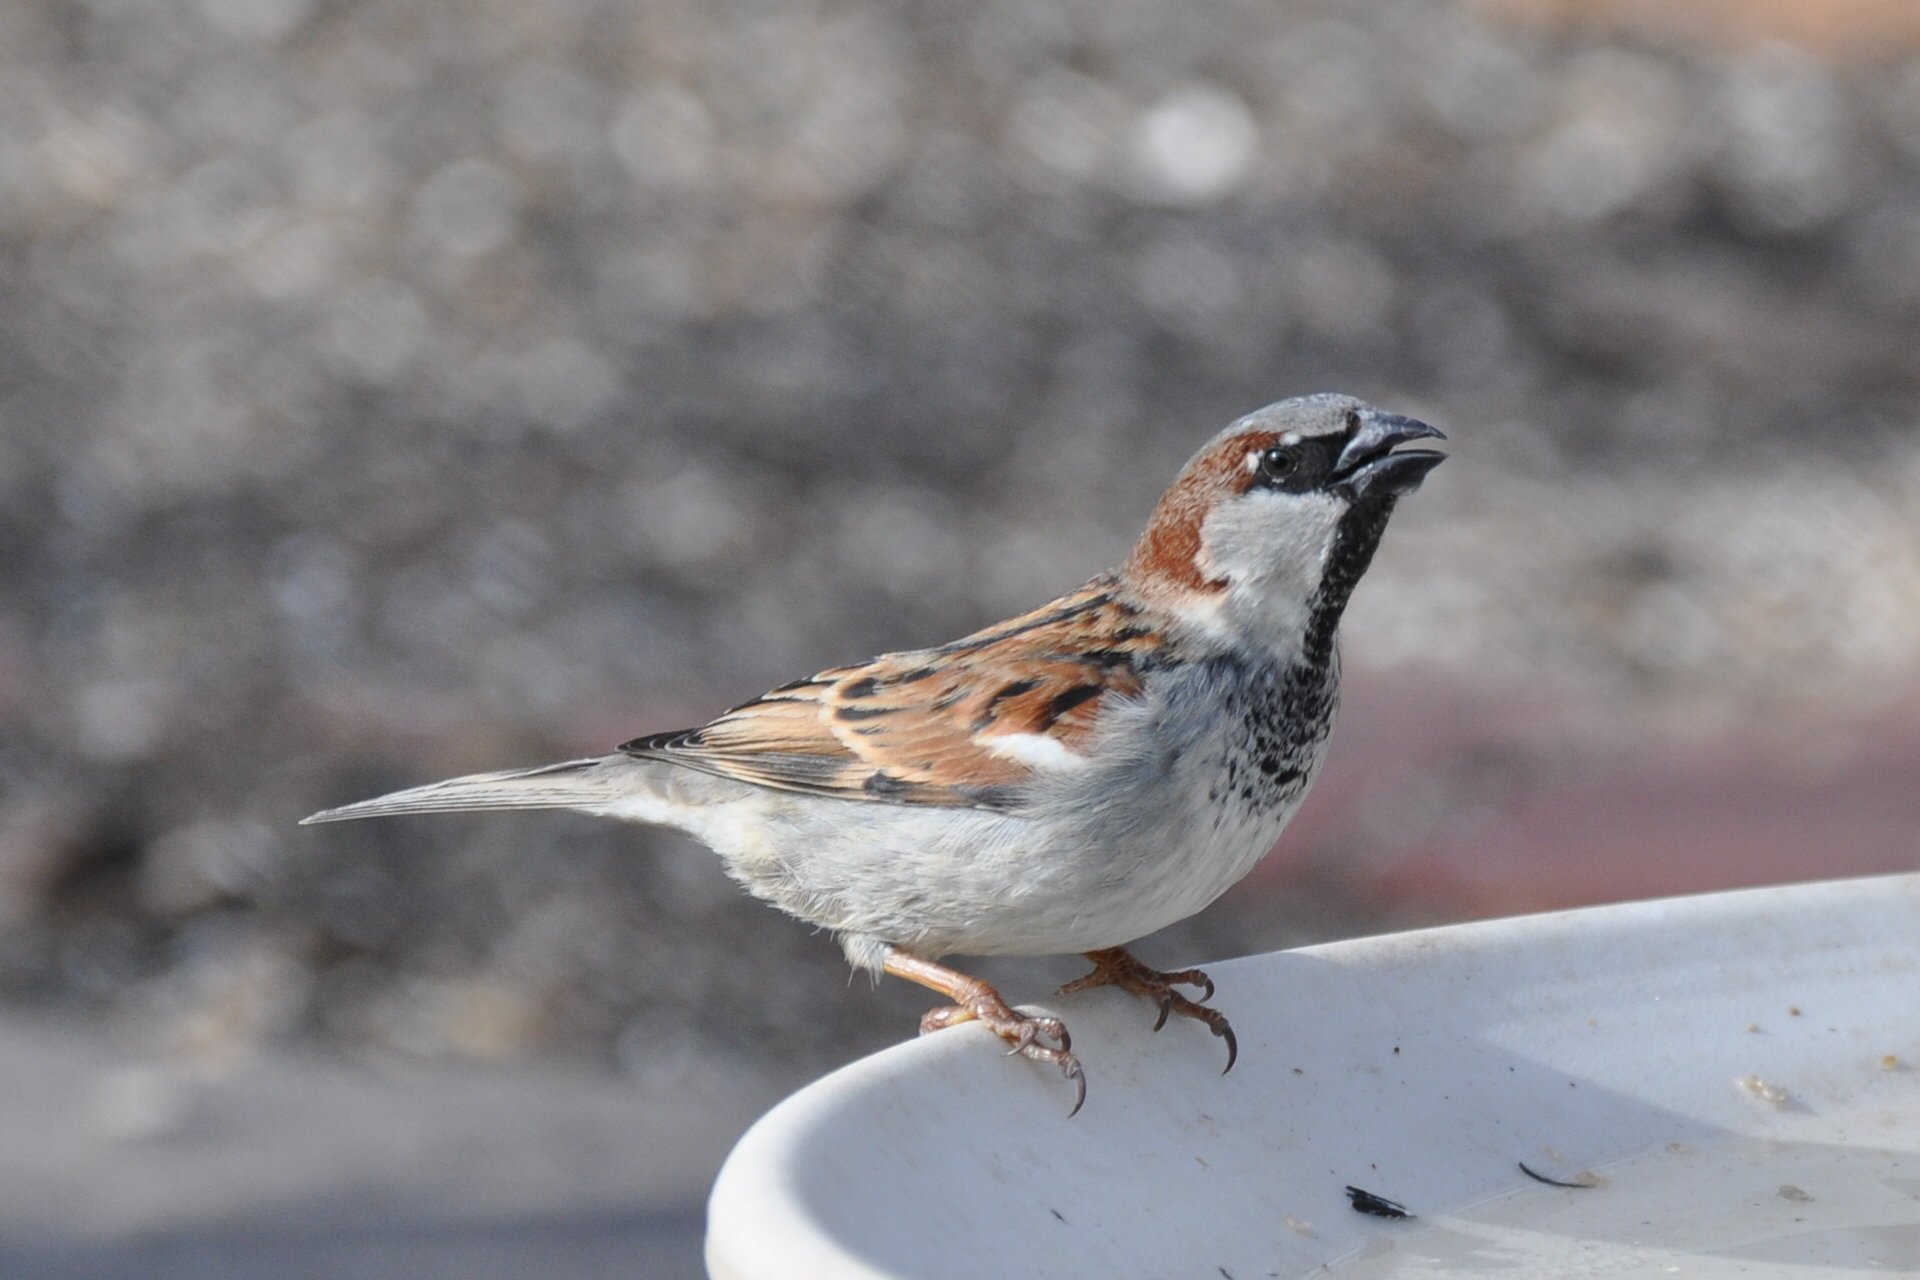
1368,464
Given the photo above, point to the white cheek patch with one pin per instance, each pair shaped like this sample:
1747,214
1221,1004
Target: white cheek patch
1278,540
1035,750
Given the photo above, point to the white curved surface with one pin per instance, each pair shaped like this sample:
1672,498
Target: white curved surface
1739,1074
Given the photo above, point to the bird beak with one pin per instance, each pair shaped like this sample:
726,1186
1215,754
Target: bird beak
1368,464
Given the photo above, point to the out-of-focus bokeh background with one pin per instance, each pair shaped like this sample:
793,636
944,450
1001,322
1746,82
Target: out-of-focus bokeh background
391,391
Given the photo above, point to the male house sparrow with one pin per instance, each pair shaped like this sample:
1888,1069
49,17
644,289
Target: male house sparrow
1067,780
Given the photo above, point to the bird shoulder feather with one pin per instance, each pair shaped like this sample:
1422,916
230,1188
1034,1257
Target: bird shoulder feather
965,724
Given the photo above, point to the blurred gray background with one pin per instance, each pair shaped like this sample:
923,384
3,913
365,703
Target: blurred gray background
389,391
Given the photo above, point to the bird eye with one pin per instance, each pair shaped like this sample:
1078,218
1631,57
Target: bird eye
1278,463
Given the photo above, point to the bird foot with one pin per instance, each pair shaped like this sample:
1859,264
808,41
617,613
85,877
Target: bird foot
1116,967
1032,1035
1036,1036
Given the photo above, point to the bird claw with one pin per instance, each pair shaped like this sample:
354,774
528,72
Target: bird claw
1030,1031
1224,1029
1116,967
1071,1069
1036,1036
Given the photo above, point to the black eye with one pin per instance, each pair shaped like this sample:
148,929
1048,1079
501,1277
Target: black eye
1278,463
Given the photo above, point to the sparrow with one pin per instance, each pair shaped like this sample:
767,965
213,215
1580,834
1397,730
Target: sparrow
1068,780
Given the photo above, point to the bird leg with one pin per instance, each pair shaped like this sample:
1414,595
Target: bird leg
1116,967
973,1000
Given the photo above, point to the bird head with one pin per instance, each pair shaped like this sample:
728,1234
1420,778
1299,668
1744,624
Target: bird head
1266,530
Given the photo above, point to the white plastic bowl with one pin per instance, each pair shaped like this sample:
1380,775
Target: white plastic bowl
1737,1076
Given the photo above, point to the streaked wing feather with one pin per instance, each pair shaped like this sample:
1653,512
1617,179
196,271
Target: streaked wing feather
922,727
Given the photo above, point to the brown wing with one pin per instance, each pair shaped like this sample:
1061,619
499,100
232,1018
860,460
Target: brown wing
962,725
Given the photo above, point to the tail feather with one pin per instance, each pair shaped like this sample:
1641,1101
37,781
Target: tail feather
571,784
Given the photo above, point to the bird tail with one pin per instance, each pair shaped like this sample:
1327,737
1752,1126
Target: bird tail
594,784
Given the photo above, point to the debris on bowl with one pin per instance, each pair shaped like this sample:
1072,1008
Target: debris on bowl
1585,1180
1378,1206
